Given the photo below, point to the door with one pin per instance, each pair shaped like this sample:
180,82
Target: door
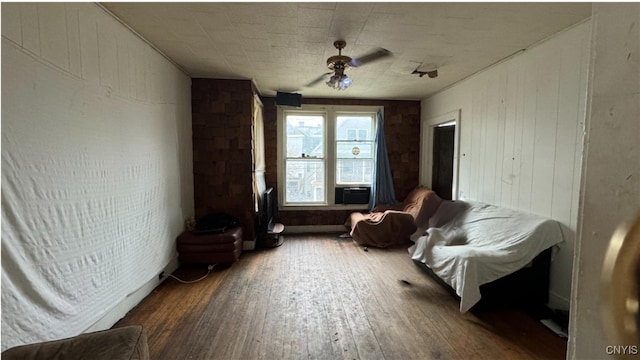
442,172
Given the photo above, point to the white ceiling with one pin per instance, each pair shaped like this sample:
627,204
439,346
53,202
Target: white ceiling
284,45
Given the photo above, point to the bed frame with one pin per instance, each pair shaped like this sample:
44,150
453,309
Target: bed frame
527,288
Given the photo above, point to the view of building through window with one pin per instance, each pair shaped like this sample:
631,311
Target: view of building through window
306,162
354,149
305,180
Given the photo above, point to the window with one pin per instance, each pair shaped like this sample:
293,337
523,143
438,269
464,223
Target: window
305,158
324,147
354,149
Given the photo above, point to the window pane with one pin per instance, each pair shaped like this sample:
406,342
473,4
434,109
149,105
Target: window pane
354,127
354,171
363,134
305,135
304,181
351,134
354,150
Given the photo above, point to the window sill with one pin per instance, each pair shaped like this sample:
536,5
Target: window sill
360,207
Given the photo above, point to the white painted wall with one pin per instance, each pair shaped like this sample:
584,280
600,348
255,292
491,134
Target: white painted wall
610,191
521,131
96,169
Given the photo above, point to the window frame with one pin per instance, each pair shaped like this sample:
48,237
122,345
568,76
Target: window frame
286,157
330,113
358,140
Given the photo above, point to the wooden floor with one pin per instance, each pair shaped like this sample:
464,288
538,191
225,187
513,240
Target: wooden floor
323,297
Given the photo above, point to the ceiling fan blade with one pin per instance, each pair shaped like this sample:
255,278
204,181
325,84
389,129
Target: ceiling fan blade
378,54
318,79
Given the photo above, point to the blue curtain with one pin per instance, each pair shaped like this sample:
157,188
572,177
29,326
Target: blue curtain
382,187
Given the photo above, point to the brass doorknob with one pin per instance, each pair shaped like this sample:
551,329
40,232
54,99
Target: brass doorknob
621,285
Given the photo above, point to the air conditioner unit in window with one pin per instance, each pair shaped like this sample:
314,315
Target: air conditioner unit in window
353,195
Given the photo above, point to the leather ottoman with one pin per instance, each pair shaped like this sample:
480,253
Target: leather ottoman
210,249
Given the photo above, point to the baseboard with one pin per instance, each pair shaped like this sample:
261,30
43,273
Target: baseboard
133,299
558,302
314,229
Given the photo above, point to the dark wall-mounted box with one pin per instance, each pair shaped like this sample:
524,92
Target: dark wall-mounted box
288,99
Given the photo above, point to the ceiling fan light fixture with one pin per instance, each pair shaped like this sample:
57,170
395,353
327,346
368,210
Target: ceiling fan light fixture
339,81
338,64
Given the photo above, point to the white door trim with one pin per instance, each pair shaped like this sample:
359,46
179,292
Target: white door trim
426,148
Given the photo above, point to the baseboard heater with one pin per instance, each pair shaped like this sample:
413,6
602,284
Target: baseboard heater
352,195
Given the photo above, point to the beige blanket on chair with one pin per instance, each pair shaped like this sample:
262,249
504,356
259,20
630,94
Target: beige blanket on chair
387,225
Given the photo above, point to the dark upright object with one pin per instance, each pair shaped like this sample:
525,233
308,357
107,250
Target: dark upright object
269,231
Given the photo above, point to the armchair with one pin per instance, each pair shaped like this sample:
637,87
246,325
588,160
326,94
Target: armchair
393,225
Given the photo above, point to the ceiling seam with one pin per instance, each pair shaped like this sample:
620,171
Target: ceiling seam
143,39
533,45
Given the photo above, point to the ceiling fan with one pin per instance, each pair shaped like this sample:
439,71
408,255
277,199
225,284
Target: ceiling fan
338,64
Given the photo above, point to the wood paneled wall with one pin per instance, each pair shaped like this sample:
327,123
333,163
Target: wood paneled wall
402,132
222,155
521,136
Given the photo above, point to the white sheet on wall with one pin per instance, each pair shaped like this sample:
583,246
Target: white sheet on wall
91,198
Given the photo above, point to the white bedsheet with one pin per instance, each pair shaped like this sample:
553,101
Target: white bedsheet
95,187
482,243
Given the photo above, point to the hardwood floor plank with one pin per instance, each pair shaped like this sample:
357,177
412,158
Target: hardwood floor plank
273,336
389,314
295,316
321,336
250,348
247,302
343,341
366,342
323,297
